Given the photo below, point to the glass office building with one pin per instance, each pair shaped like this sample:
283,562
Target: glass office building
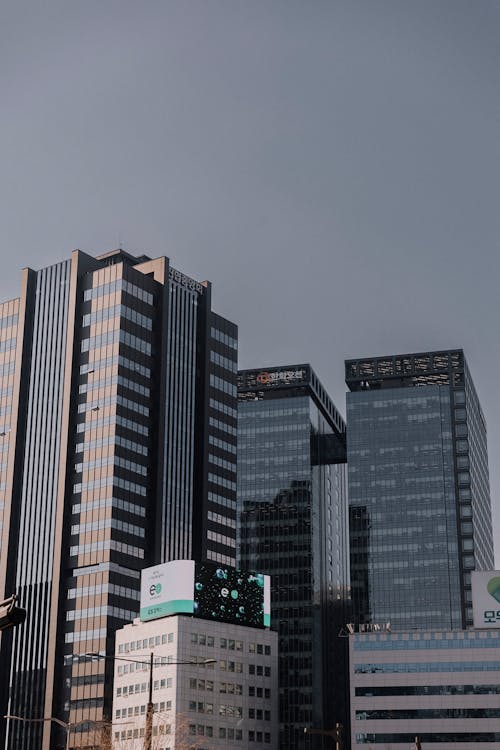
118,443
293,525
420,515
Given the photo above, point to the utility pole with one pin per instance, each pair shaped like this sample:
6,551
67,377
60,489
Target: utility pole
148,734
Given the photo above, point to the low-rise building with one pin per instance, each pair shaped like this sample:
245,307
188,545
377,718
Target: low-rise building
440,686
213,683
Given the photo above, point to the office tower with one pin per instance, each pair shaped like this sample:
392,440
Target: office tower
117,437
293,525
418,489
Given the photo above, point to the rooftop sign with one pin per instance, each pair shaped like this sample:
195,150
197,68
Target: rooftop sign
259,379
206,590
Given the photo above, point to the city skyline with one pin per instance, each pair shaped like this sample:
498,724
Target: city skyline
333,166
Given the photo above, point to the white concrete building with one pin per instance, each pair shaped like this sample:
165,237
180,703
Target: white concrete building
443,687
229,702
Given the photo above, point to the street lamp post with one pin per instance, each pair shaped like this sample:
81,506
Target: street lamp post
67,726
148,731
335,734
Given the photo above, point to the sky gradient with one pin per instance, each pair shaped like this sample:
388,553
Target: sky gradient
332,166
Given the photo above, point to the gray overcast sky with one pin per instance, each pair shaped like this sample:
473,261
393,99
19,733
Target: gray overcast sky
332,167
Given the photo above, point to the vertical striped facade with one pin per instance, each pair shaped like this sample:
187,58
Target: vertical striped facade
105,469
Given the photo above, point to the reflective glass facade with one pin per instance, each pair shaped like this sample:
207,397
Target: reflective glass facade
108,457
420,517
293,526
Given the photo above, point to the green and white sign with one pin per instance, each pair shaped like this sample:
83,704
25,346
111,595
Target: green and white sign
167,589
207,590
486,598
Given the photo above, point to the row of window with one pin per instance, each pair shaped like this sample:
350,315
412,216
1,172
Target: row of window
224,362
108,544
225,502
491,641
6,346
108,523
430,713
143,687
219,557
219,518
104,588
115,336
203,707
229,688
100,403
223,426
117,419
111,502
85,635
123,484
7,368
214,536
233,645
83,614
112,440
218,443
428,690
124,463
222,481
222,385
9,321
132,385
105,313
130,364
222,463
125,648
223,338
102,290
223,408
476,666
408,738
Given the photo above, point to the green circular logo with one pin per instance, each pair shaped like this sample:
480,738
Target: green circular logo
493,587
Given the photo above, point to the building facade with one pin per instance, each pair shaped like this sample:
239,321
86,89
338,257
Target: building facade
440,686
225,696
293,526
118,441
420,514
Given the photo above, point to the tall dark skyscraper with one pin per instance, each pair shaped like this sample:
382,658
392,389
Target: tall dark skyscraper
293,525
420,515
118,450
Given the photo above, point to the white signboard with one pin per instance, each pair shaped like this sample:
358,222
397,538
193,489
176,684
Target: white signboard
486,598
207,590
167,589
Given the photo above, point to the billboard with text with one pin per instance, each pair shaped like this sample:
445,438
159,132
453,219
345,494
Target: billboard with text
207,590
486,598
